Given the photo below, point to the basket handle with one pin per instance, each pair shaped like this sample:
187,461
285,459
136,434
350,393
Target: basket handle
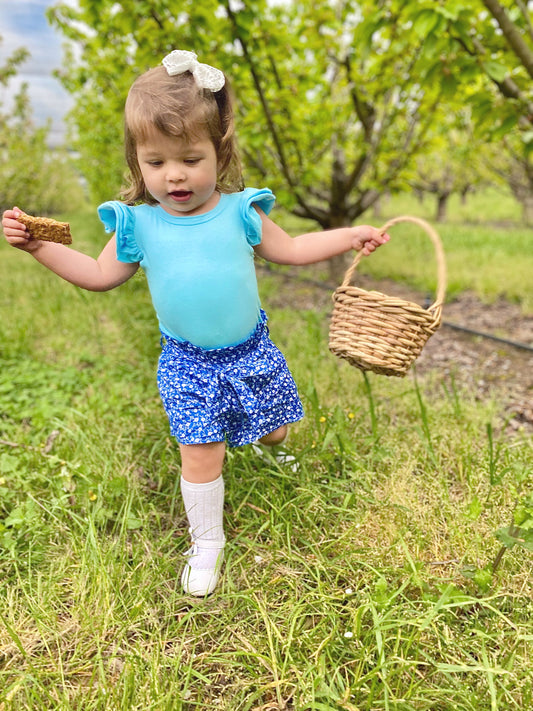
439,253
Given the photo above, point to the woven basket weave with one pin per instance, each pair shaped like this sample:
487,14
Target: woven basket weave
380,333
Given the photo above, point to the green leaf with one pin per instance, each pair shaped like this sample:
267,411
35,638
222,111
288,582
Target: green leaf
425,22
8,463
483,579
475,509
16,518
505,537
495,70
449,85
132,523
515,537
523,517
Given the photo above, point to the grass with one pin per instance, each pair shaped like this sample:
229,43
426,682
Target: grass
364,581
493,262
491,257
493,205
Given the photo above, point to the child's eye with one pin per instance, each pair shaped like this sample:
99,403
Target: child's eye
192,161
155,163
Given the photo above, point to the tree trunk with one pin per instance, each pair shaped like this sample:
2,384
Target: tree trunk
523,193
527,209
338,265
442,206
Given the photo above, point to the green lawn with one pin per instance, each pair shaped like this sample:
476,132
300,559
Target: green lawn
490,253
364,581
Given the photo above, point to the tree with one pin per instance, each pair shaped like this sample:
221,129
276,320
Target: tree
485,51
335,100
31,176
514,166
455,162
516,26
517,29
331,104
334,124
489,43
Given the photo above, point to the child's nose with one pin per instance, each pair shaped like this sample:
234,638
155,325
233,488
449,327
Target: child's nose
175,173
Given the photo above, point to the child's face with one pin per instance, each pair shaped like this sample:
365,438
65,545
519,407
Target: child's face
181,176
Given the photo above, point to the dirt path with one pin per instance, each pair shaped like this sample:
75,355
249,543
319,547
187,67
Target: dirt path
486,366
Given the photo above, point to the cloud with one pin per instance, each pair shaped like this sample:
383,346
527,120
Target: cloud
23,24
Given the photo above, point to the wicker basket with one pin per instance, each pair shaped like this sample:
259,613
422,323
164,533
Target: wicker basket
380,333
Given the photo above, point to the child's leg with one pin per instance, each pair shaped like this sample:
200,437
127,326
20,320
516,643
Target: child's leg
272,439
276,437
202,488
202,463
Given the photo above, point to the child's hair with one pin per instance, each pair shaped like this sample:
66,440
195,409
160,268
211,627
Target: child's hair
176,106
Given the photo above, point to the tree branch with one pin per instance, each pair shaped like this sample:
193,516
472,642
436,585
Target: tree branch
525,13
512,34
507,87
365,200
365,112
358,170
267,112
313,212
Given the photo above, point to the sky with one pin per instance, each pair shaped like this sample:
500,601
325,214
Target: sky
23,24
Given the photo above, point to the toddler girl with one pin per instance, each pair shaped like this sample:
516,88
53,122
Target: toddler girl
187,221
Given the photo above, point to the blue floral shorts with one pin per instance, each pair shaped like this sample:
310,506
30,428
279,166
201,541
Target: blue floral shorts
236,394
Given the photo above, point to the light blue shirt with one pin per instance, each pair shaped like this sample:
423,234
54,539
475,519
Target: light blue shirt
200,269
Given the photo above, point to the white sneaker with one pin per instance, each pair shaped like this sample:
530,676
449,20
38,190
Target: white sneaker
276,453
201,581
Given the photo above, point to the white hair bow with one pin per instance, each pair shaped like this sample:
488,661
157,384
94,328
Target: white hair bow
205,76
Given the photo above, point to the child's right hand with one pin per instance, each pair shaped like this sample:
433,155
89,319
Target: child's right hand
16,233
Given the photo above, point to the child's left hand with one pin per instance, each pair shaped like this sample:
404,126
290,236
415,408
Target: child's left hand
367,239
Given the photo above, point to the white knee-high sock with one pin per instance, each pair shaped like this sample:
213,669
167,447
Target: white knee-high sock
204,506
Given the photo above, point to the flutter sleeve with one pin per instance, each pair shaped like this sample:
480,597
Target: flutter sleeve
120,219
264,199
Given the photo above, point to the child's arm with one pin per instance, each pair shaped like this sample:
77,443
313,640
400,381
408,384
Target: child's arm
100,274
277,246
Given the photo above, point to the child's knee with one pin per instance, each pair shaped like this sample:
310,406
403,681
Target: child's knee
275,437
202,463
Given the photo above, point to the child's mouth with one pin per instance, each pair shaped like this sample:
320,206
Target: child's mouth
180,195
